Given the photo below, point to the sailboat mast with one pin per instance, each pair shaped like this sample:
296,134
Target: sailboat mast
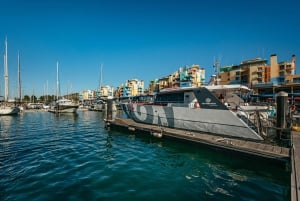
101,75
47,91
57,81
217,68
100,81
5,73
19,78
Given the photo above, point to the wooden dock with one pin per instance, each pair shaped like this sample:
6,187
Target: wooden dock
295,167
251,148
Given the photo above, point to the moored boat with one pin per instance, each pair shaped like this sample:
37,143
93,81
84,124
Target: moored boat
97,106
195,109
64,106
7,107
9,110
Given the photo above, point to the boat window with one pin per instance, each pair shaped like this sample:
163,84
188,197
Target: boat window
170,98
187,98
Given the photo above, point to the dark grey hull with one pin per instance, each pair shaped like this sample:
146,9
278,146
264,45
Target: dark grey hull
215,121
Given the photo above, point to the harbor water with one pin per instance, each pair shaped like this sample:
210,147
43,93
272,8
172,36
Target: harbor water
44,156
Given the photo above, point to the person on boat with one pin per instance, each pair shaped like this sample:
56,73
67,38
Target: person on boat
293,108
221,98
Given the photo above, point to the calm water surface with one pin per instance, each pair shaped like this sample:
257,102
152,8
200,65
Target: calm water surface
72,157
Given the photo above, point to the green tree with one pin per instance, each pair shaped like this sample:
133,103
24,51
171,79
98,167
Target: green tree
26,99
47,98
33,99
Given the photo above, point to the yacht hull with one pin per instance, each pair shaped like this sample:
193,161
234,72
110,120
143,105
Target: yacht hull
64,109
9,110
220,122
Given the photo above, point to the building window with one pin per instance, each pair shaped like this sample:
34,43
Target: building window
281,74
281,67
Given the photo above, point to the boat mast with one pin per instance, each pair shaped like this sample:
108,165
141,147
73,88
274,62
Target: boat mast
5,73
217,67
19,79
57,81
100,82
47,91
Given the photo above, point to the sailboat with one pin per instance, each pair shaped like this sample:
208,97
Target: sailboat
62,105
7,108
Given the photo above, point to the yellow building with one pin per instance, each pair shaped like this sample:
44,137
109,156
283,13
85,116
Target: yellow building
133,87
106,91
88,95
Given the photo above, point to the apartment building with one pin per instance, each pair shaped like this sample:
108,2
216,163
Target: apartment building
266,79
132,87
249,72
105,91
88,95
186,76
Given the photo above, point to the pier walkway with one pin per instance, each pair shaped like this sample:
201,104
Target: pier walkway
250,148
295,166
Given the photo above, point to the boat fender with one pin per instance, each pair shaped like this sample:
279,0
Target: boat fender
131,128
196,105
157,134
296,128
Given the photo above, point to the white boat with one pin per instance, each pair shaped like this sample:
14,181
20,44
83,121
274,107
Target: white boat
7,108
46,107
34,106
194,109
64,106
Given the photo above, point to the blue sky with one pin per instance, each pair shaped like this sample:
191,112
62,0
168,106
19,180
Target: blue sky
143,39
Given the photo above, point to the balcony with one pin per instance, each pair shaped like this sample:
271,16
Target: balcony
265,84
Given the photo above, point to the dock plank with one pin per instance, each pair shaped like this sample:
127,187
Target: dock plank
295,164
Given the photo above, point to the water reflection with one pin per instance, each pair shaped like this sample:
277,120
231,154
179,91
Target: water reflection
67,116
5,124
